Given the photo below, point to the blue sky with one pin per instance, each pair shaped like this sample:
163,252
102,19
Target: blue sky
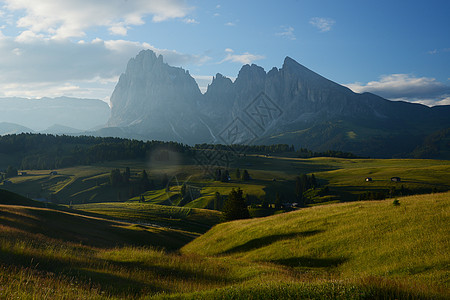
397,49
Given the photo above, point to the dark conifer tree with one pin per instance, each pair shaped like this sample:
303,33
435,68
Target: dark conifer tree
11,172
238,174
218,175
235,207
165,181
299,190
313,181
115,178
217,201
126,175
245,175
144,181
225,176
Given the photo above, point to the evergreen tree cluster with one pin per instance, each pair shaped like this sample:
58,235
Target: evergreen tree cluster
302,184
10,172
305,153
235,207
47,151
221,175
136,186
372,195
265,149
245,176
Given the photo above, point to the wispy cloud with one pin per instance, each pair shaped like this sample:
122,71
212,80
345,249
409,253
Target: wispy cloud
406,87
436,51
323,24
190,21
245,58
287,32
230,24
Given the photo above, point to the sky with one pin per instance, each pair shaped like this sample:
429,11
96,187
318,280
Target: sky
78,48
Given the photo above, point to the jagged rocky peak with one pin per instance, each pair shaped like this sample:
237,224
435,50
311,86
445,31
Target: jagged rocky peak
291,66
251,71
154,97
293,70
219,83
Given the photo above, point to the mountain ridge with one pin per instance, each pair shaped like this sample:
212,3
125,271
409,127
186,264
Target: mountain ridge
159,101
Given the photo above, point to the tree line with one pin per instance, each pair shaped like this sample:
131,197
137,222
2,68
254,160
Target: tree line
305,153
47,151
238,148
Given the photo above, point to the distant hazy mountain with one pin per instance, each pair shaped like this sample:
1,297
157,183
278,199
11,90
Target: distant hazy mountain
11,128
290,105
40,114
61,129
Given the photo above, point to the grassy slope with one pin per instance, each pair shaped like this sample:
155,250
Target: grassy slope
9,198
189,219
88,230
345,251
352,240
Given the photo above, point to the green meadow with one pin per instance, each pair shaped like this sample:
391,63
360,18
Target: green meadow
358,250
272,175
94,241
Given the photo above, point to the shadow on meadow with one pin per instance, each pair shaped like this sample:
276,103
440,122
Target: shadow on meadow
267,240
117,278
91,231
310,262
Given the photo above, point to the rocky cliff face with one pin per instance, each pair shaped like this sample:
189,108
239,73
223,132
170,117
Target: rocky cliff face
156,100
290,105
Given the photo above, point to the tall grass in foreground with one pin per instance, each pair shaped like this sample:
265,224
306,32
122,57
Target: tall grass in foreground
356,240
364,250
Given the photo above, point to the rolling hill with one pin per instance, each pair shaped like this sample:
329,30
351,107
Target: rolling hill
360,250
408,242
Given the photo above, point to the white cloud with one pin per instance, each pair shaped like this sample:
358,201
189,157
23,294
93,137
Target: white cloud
406,87
48,67
203,81
245,58
28,36
230,24
71,18
445,101
190,21
323,24
287,32
119,30
17,51
436,51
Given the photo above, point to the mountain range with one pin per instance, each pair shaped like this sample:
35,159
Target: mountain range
291,105
60,115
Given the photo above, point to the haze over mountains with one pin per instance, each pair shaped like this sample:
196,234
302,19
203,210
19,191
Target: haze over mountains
290,105
52,115
293,105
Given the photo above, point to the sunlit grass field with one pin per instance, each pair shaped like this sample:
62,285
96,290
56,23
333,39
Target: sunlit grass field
189,219
359,250
270,176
